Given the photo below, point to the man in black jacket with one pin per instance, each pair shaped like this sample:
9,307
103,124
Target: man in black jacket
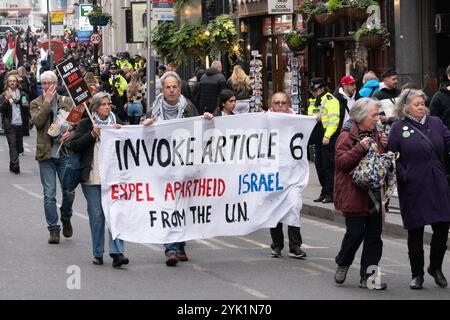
440,103
211,83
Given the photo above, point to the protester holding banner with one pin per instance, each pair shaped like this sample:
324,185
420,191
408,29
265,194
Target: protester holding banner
14,105
84,142
363,217
45,112
280,102
171,104
227,103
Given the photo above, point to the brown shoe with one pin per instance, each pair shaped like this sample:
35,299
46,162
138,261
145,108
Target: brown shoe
67,230
54,236
171,260
181,255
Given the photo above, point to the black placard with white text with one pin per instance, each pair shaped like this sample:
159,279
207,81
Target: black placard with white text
74,81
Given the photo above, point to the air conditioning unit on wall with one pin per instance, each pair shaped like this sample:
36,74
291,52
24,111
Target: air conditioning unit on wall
442,23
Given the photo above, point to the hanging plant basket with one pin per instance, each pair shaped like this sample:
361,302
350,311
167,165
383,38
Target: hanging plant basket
325,18
297,41
297,48
99,20
371,41
352,12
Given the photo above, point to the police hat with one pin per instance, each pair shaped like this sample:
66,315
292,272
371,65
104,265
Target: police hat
114,66
316,83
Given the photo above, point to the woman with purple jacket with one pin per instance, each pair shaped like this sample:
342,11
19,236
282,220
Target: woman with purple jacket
423,190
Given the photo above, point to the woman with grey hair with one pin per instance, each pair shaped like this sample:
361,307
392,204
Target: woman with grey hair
362,218
423,190
84,142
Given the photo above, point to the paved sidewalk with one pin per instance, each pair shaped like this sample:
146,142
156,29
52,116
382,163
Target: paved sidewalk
393,222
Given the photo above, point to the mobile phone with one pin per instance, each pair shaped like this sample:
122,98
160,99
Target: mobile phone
382,113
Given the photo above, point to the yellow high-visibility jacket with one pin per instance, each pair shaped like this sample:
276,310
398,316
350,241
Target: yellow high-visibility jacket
119,82
124,63
138,65
328,107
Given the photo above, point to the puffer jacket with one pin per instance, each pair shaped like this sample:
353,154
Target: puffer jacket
370,88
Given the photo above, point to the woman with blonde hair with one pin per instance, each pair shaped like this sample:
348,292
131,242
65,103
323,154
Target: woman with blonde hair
135,93
240,83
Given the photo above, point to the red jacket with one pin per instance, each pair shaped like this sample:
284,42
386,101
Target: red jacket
352,200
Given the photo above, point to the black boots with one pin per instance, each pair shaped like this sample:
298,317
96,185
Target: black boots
119,259
14,167
438,276
54,236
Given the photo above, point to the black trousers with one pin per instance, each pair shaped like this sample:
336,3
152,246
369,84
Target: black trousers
359,229
324,162
438,247
295,238
14,136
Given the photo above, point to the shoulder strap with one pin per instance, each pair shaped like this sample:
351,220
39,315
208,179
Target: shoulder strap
429,141
372,92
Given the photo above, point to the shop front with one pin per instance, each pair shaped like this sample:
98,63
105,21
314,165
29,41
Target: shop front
264,33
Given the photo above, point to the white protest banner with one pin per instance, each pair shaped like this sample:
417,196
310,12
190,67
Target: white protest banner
195,178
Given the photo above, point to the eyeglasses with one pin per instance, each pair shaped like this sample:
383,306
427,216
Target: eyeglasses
47,83
280,102
171,87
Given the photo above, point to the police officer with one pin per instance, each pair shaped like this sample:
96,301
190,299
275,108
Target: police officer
117,80
326,108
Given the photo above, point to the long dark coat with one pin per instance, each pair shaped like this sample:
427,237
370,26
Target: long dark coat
423,190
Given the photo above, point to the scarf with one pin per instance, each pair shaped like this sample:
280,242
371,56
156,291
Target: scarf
15,105
161,110
288,110
15,95
421,121
107,122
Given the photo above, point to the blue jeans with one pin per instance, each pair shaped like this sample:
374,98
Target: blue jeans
48,170
174,247
134,109
93,196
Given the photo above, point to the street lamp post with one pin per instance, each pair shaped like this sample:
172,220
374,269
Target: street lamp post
49,29
151,59
95,62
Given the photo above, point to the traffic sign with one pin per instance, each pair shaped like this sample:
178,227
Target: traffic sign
95,38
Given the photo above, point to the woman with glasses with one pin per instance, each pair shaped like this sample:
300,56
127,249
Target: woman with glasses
281,103
423,190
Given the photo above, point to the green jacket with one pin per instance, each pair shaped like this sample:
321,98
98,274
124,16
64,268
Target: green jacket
42,116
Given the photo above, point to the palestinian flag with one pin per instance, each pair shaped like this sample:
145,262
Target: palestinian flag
9,59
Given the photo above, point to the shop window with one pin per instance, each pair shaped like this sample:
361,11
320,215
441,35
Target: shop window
283,24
